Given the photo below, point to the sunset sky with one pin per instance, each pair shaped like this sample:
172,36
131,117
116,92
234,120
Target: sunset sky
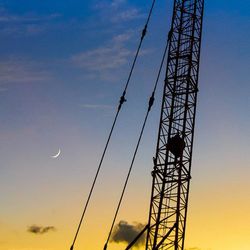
63,66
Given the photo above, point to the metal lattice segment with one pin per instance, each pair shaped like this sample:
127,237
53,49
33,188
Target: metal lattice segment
171,174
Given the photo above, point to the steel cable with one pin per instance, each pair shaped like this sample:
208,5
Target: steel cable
122,100
150,104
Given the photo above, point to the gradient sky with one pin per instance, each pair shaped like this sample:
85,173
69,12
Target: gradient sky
63,65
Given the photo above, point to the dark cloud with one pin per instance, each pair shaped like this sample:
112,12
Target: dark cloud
125,232
40,230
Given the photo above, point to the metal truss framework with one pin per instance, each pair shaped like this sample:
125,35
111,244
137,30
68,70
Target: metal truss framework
171,174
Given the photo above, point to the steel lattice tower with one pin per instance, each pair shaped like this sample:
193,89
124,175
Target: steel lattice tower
172,163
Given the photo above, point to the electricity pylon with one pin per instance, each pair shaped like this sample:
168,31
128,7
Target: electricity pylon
172,163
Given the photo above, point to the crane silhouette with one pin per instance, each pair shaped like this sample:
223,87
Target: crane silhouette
173,158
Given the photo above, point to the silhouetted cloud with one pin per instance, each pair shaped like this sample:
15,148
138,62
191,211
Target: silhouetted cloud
125,232
40,230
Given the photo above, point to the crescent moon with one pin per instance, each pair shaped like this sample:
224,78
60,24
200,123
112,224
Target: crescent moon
56,155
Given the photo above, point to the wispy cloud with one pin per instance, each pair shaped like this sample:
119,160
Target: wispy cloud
109,57
96,106
121,38
104,4
117,3
125,232
14,70
127,15
40,230
7,17
121,11
3,89
106,62
100,59
28,24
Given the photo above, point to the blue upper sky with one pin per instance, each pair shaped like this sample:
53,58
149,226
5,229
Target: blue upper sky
80,47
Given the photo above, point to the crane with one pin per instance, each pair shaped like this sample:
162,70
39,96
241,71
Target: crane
173,158
172,163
